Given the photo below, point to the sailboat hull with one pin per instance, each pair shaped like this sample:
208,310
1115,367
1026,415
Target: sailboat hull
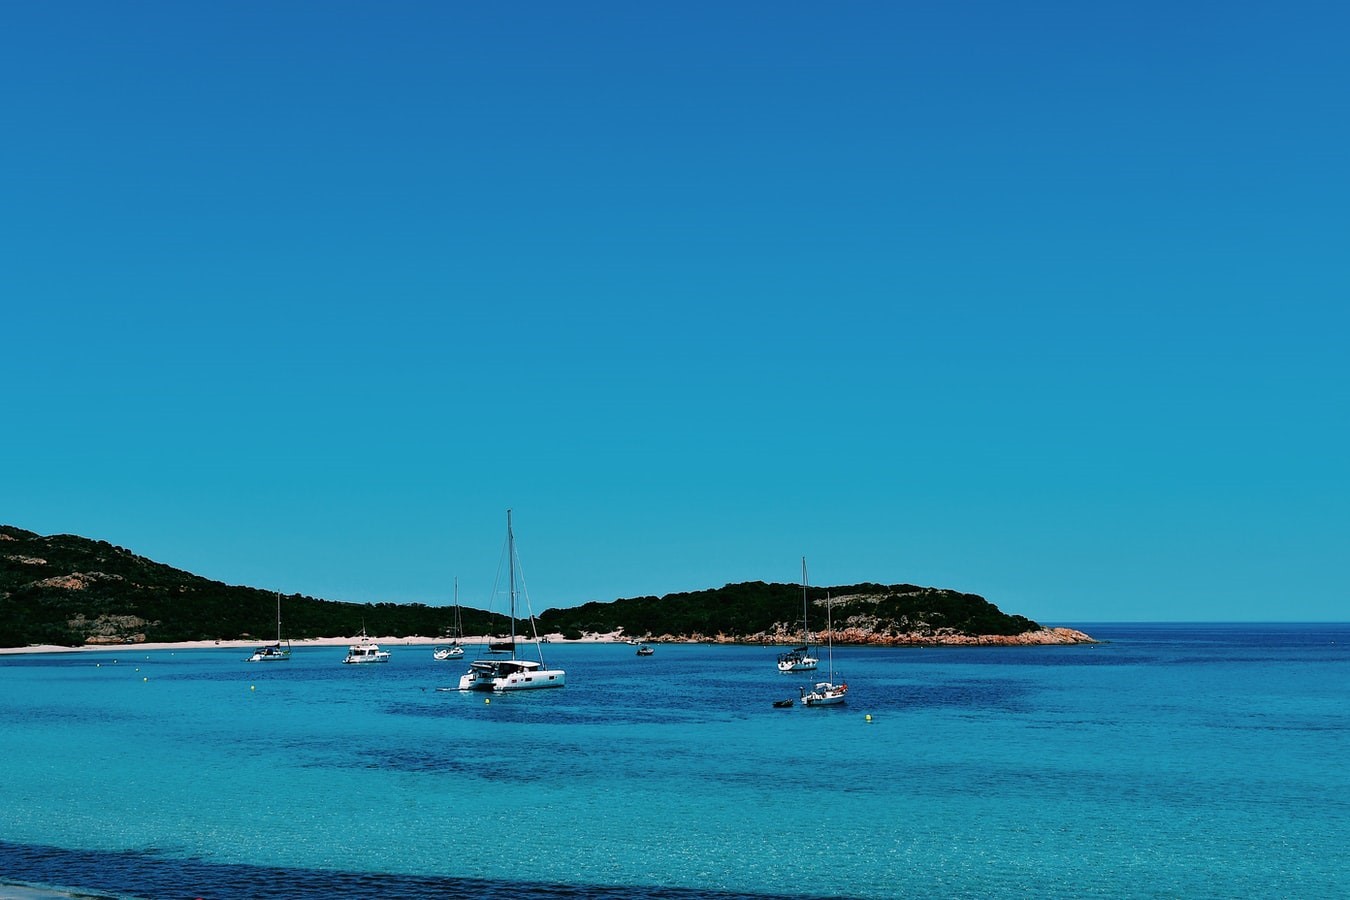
825,694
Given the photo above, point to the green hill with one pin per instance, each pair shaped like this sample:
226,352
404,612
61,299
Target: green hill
756,611
69,590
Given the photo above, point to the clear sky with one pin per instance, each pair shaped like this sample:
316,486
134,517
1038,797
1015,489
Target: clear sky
1045,302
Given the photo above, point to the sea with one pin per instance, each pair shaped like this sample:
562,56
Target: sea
1170,760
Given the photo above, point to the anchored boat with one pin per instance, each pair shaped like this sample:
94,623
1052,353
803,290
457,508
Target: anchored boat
273,652
799,659
513,674
829,692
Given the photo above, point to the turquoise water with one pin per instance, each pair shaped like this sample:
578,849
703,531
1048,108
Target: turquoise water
1176,760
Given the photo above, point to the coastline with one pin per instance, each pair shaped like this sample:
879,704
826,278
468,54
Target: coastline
236,644
845,637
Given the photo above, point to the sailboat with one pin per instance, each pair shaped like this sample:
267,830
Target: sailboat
799,659
273,652
455,650
513,674
826,693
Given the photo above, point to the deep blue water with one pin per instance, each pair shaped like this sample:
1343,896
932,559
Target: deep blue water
1175,760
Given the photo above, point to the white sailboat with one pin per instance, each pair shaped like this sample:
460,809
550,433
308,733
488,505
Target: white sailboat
799,659
456,649
273,652
829,692
365,651
512,674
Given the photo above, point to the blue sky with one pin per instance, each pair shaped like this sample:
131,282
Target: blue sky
1042,302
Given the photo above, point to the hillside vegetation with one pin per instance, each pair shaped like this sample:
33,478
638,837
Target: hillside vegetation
757,611
69,590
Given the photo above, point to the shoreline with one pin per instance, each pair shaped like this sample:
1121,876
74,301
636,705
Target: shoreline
1046,637
299,643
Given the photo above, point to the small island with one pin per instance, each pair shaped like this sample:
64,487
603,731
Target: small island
71,591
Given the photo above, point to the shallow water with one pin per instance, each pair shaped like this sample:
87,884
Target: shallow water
1196,760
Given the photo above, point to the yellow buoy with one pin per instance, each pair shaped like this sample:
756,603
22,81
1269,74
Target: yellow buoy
252,687
869,717
144,679
487,699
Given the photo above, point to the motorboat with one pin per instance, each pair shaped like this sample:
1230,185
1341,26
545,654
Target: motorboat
365,651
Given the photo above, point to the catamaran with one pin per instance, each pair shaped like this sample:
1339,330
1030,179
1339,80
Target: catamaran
799,659
273,652
455,650
513,674
826,693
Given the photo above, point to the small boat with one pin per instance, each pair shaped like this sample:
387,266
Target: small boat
799,659
782,704
826,693
365,651
273,652
455,650
644,650
512,674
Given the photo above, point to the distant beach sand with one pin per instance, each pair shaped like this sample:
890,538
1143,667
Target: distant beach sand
295,644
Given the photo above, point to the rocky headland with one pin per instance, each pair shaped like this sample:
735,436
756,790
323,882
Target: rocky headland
66,590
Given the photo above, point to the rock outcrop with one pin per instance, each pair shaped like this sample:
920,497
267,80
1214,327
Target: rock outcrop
939,637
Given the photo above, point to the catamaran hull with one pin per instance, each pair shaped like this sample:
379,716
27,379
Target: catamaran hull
517,681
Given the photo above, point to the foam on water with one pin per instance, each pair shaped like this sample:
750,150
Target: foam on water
1175,760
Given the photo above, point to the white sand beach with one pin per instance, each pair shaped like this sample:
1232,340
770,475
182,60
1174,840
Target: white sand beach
410,641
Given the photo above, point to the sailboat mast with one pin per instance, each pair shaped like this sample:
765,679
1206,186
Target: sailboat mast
278,617
511,563
806,634
829,626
